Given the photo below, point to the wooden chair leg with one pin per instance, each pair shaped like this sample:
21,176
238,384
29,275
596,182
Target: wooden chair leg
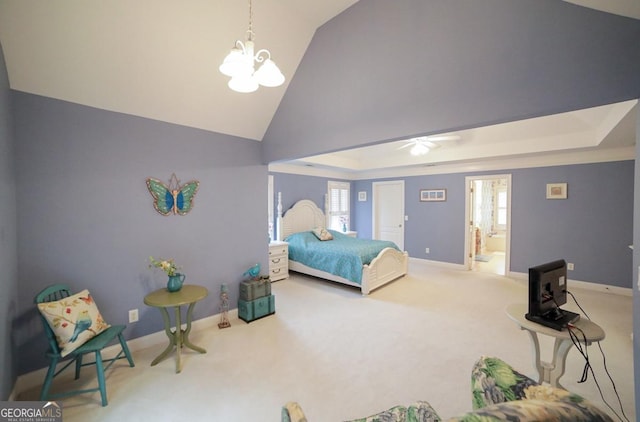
125,348
44,393
101,382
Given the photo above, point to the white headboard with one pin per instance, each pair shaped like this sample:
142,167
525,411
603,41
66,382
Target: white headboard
304,215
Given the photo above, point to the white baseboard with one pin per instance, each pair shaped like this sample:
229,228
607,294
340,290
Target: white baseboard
523,277
35,378
587,285
440,264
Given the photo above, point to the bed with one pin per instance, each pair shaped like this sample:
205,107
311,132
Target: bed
375,269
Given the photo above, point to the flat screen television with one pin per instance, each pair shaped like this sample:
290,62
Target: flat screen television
547,292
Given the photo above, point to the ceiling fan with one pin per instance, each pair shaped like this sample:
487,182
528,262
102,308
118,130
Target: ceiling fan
421,145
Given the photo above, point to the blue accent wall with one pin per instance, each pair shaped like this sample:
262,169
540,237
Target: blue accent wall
86,217
440,226
361,210
385,70
636,268
8,240
592,228
296,187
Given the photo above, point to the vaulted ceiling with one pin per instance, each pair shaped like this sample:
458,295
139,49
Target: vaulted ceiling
159,59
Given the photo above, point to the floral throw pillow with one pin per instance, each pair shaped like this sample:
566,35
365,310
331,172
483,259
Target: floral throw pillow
74,320
322,233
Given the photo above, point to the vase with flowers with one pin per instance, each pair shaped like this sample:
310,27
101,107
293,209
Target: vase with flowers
344,220
176,279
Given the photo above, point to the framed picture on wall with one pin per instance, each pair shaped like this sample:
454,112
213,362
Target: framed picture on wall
433,195
556,191
362,196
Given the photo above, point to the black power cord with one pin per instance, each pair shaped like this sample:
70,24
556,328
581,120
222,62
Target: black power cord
587,366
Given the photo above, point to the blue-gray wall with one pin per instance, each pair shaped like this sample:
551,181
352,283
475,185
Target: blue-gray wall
385,70
297,187
379,71
592,228
86,217
8,240
391,69
636,266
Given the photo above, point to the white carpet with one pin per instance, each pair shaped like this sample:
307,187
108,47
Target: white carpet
342,356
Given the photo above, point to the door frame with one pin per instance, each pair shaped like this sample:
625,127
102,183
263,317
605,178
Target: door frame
468,263
376,198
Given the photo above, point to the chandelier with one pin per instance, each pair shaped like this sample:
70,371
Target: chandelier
240,65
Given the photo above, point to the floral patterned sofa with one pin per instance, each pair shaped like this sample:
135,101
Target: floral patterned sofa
498,393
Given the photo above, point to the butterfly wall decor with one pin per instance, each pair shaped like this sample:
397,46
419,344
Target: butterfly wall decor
174,198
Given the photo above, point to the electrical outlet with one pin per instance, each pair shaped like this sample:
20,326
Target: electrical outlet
133,315
426,250
570,266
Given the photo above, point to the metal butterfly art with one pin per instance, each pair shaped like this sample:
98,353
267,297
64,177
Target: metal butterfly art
172,199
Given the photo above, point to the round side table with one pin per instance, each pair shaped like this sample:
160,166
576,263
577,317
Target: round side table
552,371
163,299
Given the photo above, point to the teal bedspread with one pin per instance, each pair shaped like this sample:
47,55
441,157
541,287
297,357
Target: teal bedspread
343,256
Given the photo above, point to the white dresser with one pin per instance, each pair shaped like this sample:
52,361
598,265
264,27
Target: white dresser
278,260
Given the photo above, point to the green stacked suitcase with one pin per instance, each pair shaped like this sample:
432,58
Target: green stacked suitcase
256,300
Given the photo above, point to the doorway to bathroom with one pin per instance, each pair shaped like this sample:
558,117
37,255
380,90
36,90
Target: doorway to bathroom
488,223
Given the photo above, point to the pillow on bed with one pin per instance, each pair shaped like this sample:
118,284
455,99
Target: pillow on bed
322,233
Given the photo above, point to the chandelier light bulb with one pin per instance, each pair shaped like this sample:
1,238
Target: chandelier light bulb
243,83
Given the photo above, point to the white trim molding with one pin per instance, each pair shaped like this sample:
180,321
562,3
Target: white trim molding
586,285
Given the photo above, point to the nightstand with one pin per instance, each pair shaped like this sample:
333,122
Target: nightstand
278,260
351,233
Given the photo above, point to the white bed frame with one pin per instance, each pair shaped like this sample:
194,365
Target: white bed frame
389,265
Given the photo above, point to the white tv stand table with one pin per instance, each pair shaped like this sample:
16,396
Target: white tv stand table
552,371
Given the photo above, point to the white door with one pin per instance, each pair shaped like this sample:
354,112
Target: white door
388,211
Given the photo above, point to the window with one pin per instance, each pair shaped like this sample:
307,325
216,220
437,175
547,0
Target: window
338,206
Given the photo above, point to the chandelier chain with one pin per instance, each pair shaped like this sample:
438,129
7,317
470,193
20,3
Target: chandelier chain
250,31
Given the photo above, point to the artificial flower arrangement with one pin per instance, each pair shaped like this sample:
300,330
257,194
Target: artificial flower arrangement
166,265
344,220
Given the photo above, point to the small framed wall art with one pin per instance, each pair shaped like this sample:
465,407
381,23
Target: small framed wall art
556,191
362,196
433,195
